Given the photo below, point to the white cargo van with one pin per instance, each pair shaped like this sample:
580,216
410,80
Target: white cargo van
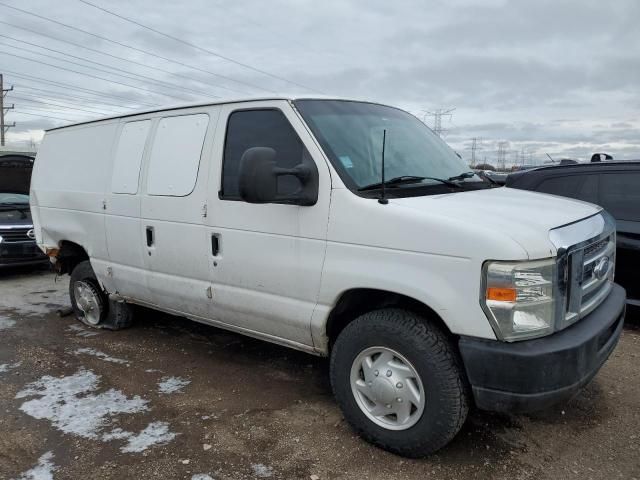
431,290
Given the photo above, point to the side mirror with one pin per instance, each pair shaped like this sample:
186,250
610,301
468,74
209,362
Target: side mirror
258,179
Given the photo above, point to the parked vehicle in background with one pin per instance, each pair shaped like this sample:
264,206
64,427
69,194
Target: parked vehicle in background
613,185
17,237
494,176
429,290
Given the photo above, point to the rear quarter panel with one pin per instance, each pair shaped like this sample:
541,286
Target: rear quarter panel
70,175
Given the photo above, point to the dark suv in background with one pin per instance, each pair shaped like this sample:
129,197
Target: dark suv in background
613,185
17,238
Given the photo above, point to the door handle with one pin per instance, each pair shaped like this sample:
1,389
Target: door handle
215,244
149,236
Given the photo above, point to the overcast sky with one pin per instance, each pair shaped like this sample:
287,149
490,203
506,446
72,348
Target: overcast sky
548,77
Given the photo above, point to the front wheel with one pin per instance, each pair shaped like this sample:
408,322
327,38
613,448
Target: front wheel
399,383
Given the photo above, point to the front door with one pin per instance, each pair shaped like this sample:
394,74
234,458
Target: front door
266,259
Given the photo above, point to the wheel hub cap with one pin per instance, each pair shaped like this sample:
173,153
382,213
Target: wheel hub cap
387,388
87,301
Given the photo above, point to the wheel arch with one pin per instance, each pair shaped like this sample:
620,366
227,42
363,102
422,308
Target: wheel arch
355,302
69,255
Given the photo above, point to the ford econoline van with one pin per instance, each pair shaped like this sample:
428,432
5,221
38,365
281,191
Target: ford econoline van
341,228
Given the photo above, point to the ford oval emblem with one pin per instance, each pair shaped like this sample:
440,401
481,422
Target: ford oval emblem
602,268
31,234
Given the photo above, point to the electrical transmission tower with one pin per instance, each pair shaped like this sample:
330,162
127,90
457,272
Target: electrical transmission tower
474,148
502,155
437,119
3,110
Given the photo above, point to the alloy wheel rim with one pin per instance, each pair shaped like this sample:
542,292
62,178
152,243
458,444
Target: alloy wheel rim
87,301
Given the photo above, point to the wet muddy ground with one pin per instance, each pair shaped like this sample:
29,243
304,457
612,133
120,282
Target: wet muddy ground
170,398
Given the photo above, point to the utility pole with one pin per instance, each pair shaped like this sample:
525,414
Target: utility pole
437,119
3,110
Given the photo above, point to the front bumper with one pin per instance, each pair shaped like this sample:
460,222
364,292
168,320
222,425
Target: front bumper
20,253
535,374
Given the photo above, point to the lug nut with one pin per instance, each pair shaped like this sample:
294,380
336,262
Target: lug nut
376,373
399,400
389,373
388,406
399,385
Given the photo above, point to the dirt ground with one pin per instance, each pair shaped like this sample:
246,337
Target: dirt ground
170,398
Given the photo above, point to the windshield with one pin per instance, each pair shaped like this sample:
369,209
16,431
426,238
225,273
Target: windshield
351,135
13,199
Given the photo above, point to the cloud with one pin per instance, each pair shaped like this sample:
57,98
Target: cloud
539,74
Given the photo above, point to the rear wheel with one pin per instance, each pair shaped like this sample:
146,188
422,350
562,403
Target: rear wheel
399,383
87,298
90,303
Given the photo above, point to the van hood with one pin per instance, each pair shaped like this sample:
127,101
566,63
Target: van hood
524,216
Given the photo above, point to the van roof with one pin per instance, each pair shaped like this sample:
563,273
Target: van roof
222,101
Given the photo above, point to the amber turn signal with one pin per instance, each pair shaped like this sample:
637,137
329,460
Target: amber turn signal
501,294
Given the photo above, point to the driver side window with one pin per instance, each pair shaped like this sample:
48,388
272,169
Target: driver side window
260,128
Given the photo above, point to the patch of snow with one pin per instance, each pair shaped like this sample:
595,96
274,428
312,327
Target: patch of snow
67,402
152,370
42,471
100,355
156,433
81,331
5,367
262,471
201,476
6,323
71,405
172,384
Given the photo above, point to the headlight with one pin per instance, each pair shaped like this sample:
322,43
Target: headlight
519,298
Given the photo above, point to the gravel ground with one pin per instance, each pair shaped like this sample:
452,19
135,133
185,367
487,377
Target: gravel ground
170,398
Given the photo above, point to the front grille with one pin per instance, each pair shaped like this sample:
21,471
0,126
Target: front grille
590,277
15,235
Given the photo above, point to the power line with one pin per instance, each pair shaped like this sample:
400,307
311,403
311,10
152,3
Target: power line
163,84
17,97
53,110
197,47
46,97
39,115
40,80
58,39
62,95
146,52
89,75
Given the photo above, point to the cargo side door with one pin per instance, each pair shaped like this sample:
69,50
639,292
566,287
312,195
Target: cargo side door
173,238
127,267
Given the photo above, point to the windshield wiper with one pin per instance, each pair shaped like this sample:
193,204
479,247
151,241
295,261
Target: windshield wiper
408,179
462,176
404,179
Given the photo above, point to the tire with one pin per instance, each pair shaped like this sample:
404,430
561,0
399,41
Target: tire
111,315
83,277
439,376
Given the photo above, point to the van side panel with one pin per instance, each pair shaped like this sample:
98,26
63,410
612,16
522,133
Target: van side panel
69,181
